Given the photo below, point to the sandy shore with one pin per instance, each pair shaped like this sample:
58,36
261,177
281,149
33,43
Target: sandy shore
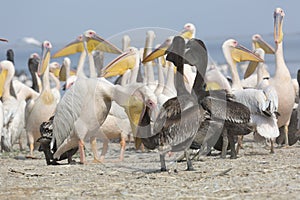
256,174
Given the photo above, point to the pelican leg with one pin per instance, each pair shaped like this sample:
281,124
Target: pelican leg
81,151
94,150
31,148
286,133
225,144
188,161
240,144
123,145
272,145
104,149
31,145
163,167
232,146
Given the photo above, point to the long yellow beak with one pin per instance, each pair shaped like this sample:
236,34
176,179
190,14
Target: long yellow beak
3,76
160,51
258,42
253,64
278,21
93,43
98,43
241,54
186,34
119,65
45,61
71,48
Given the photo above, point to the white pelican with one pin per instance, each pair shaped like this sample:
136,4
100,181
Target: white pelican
129,60
150,36
43,107
85,44
282,80
54,69
270,123
256,100
13,110
84,108
257,42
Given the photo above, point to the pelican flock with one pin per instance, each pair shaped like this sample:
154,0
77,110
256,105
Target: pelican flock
167,97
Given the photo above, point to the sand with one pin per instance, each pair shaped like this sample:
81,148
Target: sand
256,174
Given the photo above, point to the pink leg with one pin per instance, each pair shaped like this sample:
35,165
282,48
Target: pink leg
81,151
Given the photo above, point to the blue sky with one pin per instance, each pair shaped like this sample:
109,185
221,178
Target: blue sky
62,20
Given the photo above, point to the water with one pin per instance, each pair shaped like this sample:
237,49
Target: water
214,46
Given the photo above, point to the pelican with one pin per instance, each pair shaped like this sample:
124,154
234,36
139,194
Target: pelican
257,42
179,118
84,108
188,32
85,44
54,69
262,106
282,81
150,36
43,107
13,110
129,60
33,63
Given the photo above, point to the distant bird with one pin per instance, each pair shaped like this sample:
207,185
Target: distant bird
32,41
3,40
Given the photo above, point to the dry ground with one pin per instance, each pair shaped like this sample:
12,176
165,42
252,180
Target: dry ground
256,174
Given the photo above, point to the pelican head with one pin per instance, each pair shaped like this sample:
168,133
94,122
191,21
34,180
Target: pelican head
54,67
46,46
189,31
258,42
119,65
278,21
63,70
234,52
93,42
7,70
253,64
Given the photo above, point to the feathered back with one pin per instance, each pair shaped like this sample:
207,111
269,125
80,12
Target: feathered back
68,110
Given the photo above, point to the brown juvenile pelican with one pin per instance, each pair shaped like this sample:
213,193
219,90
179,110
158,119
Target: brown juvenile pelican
178,120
